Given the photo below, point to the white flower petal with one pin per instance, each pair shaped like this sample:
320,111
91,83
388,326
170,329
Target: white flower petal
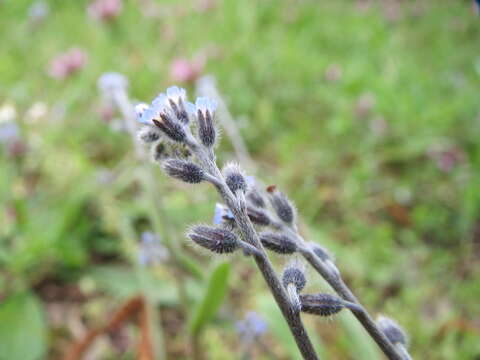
175,93
205,104
160,101
142,112
190,108
212,105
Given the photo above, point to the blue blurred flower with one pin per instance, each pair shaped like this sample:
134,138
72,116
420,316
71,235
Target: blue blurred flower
110,82
38,11
251,327
150,250
9,131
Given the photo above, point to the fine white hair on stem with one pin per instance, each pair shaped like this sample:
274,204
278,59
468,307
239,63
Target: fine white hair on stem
232,187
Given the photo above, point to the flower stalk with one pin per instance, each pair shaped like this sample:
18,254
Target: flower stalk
246,211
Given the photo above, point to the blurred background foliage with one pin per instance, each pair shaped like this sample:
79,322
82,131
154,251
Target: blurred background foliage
364,112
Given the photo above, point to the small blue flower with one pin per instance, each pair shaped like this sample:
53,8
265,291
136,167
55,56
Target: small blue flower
145,113
140,110
176,94
162,104
221,213
204,104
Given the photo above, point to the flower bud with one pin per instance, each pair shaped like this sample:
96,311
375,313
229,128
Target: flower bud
392,330
280,243
294,281
321,252
258,216
255,198
184,170
294,274
321,304
234,178
205,109
325,257
173,129
218,240
282,206
149,134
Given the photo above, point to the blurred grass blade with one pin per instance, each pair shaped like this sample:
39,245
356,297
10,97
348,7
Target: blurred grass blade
278,326
190,265
122,282
213,297
360,344
22,328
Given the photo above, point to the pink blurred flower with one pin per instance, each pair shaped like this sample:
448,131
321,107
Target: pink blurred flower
184,70
447,158
378,126
205,5
104,10
16,149
106,112
364,5
333,73
364,105
67,63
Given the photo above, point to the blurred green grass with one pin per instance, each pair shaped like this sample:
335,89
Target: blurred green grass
354,152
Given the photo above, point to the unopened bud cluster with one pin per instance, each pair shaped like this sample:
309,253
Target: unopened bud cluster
184,170
182,137
272,211
217,240
166,128
234,178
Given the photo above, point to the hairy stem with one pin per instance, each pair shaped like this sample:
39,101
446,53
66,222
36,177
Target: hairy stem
250,236
337,284
403,350
342,290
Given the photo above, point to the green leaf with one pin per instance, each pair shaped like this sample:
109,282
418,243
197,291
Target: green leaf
213,297
22,328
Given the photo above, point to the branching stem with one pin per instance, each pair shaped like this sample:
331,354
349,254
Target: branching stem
250,236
